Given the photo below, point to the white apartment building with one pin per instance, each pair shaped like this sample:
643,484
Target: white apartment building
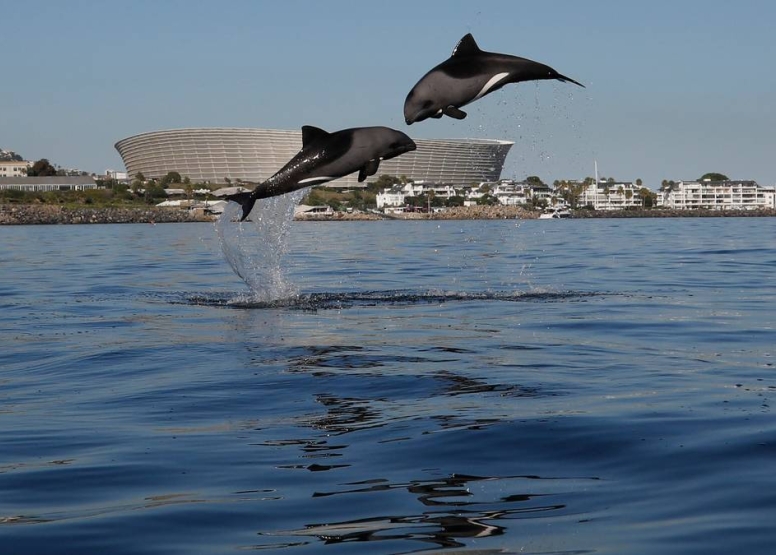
396,196
510,193
14,168
717,195
390,198
611,195
117,175
505,191
424,188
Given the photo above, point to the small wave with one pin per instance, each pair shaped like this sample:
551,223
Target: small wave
324,301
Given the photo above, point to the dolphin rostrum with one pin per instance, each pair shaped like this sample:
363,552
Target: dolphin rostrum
326,156
467,75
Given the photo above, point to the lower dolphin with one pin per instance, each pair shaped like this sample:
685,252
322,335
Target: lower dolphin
327,156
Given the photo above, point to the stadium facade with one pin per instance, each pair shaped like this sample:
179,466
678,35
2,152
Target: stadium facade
210,155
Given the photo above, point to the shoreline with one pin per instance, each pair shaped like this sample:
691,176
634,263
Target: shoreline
49,214
53,214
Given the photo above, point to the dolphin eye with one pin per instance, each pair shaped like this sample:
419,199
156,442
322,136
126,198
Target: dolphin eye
427,104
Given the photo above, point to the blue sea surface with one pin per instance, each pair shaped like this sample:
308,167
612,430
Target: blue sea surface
451,387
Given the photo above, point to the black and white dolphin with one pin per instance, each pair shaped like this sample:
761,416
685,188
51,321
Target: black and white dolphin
467,75
326,156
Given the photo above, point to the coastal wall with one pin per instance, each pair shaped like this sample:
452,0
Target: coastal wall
36,214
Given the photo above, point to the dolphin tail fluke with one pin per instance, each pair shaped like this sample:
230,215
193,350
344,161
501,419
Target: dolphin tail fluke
568,80
246,200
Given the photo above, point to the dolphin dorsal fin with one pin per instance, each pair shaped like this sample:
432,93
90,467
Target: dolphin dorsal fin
311,133
466,46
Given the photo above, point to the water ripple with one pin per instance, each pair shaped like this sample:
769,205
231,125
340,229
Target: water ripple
340,300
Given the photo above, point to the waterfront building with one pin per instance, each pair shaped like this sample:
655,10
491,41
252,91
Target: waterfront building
223,155
611,195
50,183
542,194
396,196
14,168
117,175
434,189
391,198
509,192
716,195
506,191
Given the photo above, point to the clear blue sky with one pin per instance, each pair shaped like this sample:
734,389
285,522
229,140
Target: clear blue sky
674,88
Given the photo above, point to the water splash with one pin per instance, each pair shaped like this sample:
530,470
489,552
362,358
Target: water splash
256,248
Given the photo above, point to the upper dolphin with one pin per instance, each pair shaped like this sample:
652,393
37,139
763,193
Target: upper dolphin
468,74
326,156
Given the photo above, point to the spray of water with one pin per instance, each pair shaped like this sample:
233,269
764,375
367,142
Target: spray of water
256,248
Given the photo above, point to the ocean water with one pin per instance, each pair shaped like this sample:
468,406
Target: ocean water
446,387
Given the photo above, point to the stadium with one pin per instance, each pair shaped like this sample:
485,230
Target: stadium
221,155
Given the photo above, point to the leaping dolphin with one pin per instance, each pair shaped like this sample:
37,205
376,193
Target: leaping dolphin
467,75
326,156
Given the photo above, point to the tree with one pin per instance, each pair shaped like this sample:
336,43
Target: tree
713,177
638,182
154,191
140,177
171,177
487,200
570,191
534,180
667,185
10,156
648,198
41,168
383,182
456,200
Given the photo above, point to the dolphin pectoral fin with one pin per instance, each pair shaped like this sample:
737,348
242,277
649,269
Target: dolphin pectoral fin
246,200
370,168
454,112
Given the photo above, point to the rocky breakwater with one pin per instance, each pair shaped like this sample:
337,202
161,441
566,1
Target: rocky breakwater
338,216
46,214
495,212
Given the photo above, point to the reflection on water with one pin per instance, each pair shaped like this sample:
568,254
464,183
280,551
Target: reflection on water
460,507
445,387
